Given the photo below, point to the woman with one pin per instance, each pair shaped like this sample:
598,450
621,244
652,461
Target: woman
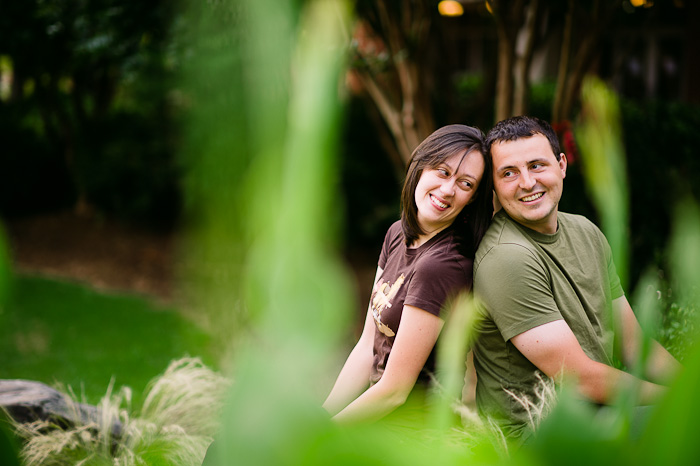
426,259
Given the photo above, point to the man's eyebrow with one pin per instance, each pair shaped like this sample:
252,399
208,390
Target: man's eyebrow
529,162
505,167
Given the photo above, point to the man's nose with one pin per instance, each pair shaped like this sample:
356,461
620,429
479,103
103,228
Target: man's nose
527,181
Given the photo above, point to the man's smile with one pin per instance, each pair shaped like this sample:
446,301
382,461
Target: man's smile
532,197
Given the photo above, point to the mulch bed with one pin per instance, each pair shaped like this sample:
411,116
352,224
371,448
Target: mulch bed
106,254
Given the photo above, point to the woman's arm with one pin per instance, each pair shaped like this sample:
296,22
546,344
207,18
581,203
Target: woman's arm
418,332
354,377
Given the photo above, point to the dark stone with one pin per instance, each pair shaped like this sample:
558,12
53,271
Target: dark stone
28,401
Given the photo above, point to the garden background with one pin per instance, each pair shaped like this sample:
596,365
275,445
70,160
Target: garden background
186,179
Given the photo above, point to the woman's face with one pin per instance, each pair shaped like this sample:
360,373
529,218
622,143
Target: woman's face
444,190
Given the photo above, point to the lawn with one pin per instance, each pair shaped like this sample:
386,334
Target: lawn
60,332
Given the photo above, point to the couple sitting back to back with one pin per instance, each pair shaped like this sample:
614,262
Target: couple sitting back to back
549,290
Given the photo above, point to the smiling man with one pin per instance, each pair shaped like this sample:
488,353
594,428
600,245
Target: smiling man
549,289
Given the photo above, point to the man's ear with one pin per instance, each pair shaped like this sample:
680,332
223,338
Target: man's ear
496,202
562,164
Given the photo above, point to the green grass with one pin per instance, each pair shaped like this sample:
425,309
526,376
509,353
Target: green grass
59,332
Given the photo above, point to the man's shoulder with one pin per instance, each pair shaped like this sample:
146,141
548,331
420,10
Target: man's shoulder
580,227
504,246
576,221
502,231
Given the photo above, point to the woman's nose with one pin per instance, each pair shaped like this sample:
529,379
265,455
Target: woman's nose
448,187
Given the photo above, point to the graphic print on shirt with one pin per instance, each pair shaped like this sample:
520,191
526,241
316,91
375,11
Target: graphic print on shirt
382,295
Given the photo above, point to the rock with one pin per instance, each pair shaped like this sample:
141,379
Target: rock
28,401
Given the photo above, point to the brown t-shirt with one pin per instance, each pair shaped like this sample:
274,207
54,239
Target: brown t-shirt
424,277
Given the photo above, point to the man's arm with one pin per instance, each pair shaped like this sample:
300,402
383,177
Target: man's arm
660,366
554,349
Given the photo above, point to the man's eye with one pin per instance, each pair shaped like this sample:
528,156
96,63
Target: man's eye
508,173
536,166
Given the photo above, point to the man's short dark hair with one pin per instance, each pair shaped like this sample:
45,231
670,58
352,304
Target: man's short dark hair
519,127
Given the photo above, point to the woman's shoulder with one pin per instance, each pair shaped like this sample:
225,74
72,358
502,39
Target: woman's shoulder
446,252
394,234
393,238
395,229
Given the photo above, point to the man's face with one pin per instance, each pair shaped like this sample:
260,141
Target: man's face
528,180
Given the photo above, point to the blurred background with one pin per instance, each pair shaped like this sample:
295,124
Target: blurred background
94,185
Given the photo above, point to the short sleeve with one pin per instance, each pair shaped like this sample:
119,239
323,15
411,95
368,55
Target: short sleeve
616,290
436,279
389,239
515,289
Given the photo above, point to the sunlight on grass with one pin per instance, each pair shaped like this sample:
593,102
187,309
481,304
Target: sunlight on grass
63,332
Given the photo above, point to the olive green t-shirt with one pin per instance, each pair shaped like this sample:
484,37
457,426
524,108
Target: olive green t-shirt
526,279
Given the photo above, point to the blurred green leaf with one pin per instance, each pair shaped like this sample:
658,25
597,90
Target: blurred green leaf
600,140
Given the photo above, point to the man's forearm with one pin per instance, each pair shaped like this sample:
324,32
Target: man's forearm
661,367
603,384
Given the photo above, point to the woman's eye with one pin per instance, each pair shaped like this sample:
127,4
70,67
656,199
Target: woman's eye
443,172
466,184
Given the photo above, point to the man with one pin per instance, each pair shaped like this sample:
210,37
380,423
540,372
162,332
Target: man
549,289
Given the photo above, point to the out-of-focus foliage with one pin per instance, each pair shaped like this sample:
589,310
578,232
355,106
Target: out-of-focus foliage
661,141
87,118
604,167
669,437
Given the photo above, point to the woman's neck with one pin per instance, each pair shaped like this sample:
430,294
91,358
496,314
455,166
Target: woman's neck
424,238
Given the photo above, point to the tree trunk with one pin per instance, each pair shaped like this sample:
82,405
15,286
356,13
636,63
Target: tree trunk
508,17
584,58
504,83
563,64
404,101
568,88
524,60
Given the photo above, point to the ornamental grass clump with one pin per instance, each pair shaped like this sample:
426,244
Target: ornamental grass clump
175,426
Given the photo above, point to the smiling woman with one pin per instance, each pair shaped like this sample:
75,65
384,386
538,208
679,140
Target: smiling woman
444,191
426,259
